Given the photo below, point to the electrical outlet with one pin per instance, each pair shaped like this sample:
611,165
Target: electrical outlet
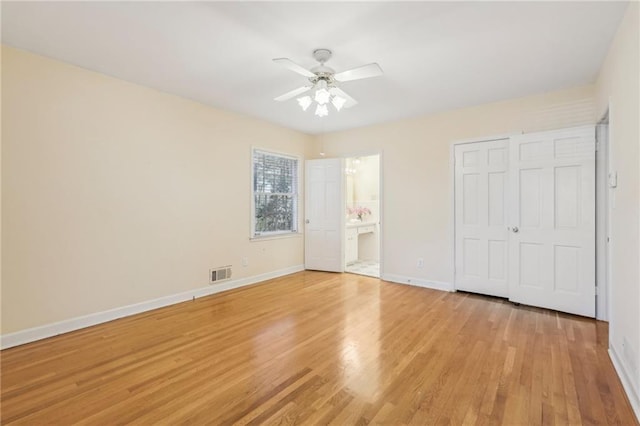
245,262
420,263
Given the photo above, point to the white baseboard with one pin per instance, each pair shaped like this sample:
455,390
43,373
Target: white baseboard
627,382
402,279
42,332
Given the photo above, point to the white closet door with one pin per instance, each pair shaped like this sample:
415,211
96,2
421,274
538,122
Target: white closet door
324,210
480,217
552,243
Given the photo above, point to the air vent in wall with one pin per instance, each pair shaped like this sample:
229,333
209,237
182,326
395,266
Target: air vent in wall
219,274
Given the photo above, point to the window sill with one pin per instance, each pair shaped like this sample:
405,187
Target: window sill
276,236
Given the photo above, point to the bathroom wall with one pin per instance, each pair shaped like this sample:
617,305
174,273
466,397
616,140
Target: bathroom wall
363,190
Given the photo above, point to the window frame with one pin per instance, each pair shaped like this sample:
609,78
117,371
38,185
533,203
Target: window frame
296,195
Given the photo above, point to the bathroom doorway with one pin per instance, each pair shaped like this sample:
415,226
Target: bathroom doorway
363,215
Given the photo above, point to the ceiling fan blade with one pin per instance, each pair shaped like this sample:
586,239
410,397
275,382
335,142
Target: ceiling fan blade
365,71
335,91
289,64
293,93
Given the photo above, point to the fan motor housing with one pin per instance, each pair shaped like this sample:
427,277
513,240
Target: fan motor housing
328,77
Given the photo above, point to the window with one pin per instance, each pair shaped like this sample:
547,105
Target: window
275,193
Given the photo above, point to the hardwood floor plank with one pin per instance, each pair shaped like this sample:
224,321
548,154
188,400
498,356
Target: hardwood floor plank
321,348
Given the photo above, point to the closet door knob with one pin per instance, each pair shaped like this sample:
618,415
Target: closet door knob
515,229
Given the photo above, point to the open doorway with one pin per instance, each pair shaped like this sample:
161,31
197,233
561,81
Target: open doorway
362,224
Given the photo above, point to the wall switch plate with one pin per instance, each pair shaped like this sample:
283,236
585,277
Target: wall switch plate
245,262
420,263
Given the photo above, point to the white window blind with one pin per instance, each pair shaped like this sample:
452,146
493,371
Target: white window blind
275,193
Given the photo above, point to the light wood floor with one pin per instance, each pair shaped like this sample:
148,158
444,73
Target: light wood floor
315,348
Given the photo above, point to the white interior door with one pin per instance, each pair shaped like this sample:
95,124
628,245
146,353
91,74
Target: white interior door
552,243
480,217
324,210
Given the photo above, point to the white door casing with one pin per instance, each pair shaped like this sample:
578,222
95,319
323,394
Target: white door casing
602,222
324,210
552,243
480,217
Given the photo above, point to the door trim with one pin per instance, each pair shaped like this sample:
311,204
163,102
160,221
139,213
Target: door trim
603,227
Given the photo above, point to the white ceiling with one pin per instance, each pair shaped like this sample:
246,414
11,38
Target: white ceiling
436,55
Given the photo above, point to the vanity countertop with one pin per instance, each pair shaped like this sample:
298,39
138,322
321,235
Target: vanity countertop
359,224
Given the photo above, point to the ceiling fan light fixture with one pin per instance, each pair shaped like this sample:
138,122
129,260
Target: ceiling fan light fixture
338,102
322,95
305,102
322,111
323,89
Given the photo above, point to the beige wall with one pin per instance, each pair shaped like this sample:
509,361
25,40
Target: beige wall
619,84
417,184
113,193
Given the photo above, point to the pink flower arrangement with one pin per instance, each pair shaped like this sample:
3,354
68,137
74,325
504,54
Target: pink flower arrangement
359,211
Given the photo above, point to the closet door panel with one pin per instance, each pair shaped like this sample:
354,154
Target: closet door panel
552,238
481,182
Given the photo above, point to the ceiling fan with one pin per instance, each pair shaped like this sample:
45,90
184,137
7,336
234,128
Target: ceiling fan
325,82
